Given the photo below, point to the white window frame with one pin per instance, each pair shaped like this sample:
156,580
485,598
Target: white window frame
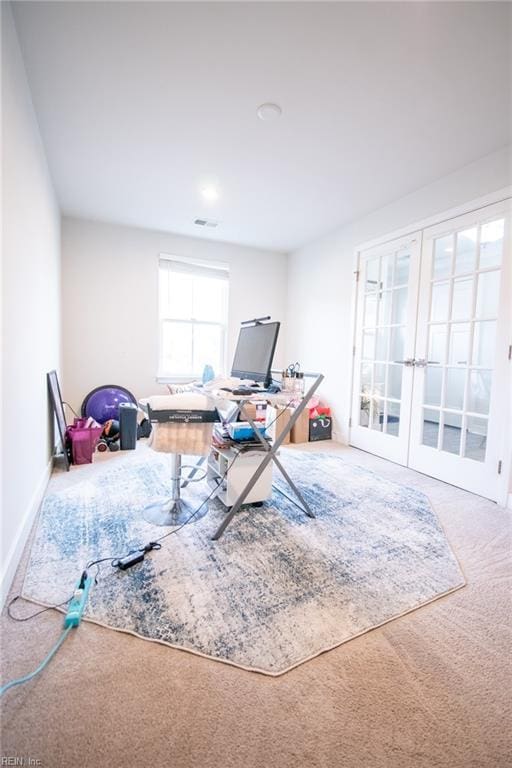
217,269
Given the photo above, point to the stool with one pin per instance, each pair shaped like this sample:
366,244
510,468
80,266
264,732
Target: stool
182,424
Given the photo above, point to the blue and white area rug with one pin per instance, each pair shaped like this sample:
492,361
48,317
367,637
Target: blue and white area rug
276,590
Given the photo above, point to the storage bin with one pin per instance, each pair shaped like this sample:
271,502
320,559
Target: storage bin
320,428
83,441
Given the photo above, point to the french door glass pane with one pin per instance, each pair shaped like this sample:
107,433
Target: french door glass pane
364,411
488,294
479,392
386,280
370,311
476,438
385,301
452,430
462,308
460,335
402,269
379,382
395,381
397,341
393,418
440,302
377,414
437,343
465,258
484,343
433,382
454,389
381,344
372,275
430,432
399,306
368,345
443,253
491,243
366,376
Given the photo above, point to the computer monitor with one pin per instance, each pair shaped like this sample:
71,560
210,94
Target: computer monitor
255,351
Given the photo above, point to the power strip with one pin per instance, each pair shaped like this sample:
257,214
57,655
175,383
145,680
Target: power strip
72,619
76,607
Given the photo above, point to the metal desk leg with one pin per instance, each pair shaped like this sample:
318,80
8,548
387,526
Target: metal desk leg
238,503
305,506
271,456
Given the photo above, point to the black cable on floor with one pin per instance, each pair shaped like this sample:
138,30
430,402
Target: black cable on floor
37,613
155,544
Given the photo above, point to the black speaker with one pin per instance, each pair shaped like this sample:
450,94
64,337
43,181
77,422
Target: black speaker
128,426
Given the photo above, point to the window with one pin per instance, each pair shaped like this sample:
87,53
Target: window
193,300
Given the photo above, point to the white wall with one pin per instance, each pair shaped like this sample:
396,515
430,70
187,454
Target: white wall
30,304
321,281
110,300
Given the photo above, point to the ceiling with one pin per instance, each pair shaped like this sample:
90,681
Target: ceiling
142,104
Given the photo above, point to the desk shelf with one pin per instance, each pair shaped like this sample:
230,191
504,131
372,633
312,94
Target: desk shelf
240,466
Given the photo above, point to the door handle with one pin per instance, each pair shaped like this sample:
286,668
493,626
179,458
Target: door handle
409,361
422,363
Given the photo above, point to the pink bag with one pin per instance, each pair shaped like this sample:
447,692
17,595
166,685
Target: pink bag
83,441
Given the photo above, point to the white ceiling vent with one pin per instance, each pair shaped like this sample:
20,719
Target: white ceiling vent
206,222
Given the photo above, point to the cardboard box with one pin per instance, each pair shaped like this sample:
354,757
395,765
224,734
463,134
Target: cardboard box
278,418
300,430
256,410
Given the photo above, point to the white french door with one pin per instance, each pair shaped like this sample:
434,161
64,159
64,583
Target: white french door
386,320
441,411
460,394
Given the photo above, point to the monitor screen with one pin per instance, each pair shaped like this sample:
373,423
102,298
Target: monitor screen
255,351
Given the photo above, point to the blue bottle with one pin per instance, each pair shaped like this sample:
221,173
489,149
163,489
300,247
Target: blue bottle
208,374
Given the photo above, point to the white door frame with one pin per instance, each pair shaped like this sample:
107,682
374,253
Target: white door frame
501,195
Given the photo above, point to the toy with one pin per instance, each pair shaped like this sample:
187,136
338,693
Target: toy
109,436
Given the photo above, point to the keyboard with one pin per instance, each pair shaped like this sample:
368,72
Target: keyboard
248,391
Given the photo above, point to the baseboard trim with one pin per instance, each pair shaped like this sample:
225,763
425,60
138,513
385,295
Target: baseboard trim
339,437
509,501
15,552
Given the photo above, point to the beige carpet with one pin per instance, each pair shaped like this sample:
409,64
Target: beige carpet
429,689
